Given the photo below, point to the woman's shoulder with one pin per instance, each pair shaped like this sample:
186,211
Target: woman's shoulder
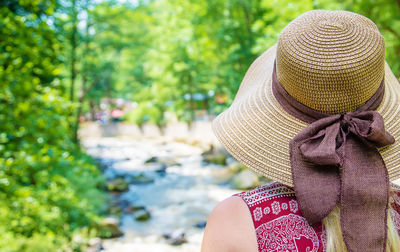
229,228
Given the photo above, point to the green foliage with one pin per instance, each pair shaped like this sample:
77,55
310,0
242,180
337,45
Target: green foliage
146,112
11,242
167,50
48,186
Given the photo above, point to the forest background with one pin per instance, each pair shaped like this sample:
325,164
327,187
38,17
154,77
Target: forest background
62,60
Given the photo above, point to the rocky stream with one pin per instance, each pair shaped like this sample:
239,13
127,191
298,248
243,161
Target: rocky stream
162,191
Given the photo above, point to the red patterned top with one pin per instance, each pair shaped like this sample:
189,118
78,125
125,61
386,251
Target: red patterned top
279,225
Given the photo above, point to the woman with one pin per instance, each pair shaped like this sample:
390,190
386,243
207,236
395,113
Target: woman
320,114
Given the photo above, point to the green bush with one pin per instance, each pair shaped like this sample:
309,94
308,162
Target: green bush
49,188
146,112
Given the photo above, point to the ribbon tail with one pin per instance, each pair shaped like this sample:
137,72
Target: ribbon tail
317,190
364,191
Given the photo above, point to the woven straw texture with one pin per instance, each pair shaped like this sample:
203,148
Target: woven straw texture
333,75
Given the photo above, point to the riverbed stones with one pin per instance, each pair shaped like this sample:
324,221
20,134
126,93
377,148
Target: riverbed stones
141,179
114,206
245,180
167,161
156,167
170,162
201,224
117,185
236,167
94,245
151,160
131,209
210,150
176,238
109,228
189,205
115,210
215,156
140,213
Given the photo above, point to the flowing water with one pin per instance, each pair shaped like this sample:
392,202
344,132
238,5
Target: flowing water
180,197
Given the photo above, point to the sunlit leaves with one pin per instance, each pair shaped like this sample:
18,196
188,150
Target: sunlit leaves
45,180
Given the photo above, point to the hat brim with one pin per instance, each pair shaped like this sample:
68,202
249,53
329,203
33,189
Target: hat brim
256,130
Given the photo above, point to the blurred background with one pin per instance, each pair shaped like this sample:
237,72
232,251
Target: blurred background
105,110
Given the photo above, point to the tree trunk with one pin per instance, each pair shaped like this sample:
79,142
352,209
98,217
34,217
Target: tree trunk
77,121
206,104
92,107
248,20
73,41
84,89
191,100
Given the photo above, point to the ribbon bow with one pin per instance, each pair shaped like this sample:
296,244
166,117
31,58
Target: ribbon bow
335,159
349,142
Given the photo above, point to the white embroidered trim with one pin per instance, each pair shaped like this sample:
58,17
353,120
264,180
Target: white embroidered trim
266,192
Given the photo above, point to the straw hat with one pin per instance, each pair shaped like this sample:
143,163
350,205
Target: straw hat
330,61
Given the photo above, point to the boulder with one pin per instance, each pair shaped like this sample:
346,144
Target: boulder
161,168
109,228
131,209
201,224
170,162
117,185
236,167
95,245
215,158
115,210
141,179
141,214
211,150
175,238
245,180
150,160
156,167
